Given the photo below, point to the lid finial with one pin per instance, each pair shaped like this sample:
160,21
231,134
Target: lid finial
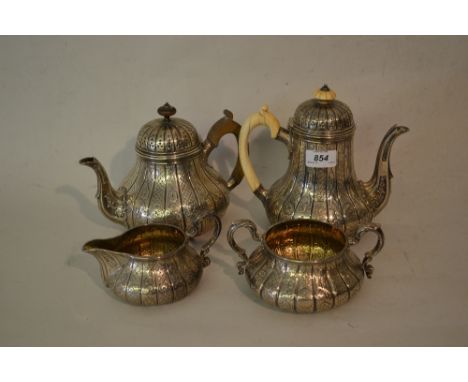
325,94
167,110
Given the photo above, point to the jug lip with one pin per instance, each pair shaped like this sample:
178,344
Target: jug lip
328,226
89,245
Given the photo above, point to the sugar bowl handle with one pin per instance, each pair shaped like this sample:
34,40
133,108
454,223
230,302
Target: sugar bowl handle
225,125
368,256
243,223
197,228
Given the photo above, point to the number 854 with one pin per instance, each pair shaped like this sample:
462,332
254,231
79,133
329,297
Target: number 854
320,157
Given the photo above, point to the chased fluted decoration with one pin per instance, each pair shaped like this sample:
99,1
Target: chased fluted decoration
153,264
171,182
320,182
303,265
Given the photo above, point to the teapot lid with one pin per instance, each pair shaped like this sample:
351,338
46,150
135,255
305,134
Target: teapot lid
167,137
322,114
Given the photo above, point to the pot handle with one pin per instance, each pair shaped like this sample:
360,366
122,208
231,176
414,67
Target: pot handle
223,126
261,118
243,223
368,256
196,229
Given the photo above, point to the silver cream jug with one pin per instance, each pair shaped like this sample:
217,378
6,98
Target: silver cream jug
153,264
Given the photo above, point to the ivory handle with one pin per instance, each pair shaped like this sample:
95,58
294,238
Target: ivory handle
261,118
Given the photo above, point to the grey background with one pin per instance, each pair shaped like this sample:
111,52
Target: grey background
65,98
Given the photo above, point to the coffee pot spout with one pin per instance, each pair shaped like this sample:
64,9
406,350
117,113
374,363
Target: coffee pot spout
378,187
111,202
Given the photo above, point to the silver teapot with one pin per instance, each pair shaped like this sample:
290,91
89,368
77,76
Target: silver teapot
320,182
171,182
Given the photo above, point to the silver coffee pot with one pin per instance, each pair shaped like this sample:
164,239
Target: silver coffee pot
320,182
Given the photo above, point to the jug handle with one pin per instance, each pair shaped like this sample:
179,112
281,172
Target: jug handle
261,118
223,126
197,228
368,256
243,223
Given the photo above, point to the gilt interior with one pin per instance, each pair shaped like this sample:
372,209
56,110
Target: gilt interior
148,241
305,240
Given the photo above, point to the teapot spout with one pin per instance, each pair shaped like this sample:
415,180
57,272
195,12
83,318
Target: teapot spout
111,262
110,201
378,187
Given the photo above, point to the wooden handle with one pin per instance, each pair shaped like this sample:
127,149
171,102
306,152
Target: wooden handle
225,125
262,118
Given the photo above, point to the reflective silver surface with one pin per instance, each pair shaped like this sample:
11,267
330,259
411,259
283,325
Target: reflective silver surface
171,182
152,264
330,194
304,266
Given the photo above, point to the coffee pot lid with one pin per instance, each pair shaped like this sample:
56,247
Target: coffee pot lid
322,113
167,136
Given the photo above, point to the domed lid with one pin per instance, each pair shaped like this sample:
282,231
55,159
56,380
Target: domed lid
167,137
322,114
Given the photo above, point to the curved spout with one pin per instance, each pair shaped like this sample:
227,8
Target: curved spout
378,187
111,202
111,262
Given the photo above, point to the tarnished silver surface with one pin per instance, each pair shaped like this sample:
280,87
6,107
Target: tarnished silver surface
331,194
304,266
171,182
153,264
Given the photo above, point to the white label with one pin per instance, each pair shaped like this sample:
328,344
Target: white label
321,159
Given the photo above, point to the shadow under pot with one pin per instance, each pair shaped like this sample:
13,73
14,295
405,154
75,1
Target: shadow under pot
304,266
153,264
